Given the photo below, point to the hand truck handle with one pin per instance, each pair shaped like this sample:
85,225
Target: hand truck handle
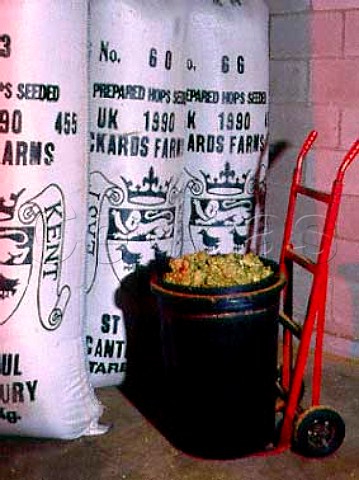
307,145
348,159
297,175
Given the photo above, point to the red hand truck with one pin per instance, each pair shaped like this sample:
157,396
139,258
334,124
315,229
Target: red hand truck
317,430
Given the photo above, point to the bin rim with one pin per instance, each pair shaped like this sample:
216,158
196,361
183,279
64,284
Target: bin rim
276,280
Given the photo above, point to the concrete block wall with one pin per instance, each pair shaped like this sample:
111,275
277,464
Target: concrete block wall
314,84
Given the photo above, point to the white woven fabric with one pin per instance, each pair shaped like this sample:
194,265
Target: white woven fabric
44,383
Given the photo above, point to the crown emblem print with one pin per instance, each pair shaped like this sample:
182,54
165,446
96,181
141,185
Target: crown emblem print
150,192
8,207
226,182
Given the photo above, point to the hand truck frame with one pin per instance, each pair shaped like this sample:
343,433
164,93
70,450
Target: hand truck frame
318,430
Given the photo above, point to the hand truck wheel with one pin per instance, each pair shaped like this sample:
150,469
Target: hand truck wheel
319,431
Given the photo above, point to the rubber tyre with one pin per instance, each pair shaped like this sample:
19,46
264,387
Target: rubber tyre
318,432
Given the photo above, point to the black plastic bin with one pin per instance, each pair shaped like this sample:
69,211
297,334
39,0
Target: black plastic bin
220,354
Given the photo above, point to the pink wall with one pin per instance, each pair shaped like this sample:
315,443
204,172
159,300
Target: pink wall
314,83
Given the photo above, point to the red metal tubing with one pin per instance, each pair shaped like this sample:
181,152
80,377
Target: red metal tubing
349,157
316,307
307,145
315,194
318,352
300,365
297,177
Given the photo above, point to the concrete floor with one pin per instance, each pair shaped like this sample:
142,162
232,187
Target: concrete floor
134,449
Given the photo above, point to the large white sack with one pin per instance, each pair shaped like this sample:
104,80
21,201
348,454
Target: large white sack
136,152
227,112
44,382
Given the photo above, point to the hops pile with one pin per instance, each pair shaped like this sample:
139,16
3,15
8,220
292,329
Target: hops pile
223,270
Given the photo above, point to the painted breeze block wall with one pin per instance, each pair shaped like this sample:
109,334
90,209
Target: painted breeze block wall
314,64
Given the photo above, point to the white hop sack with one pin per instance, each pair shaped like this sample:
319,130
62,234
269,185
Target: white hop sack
227,112
44,382
136,152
